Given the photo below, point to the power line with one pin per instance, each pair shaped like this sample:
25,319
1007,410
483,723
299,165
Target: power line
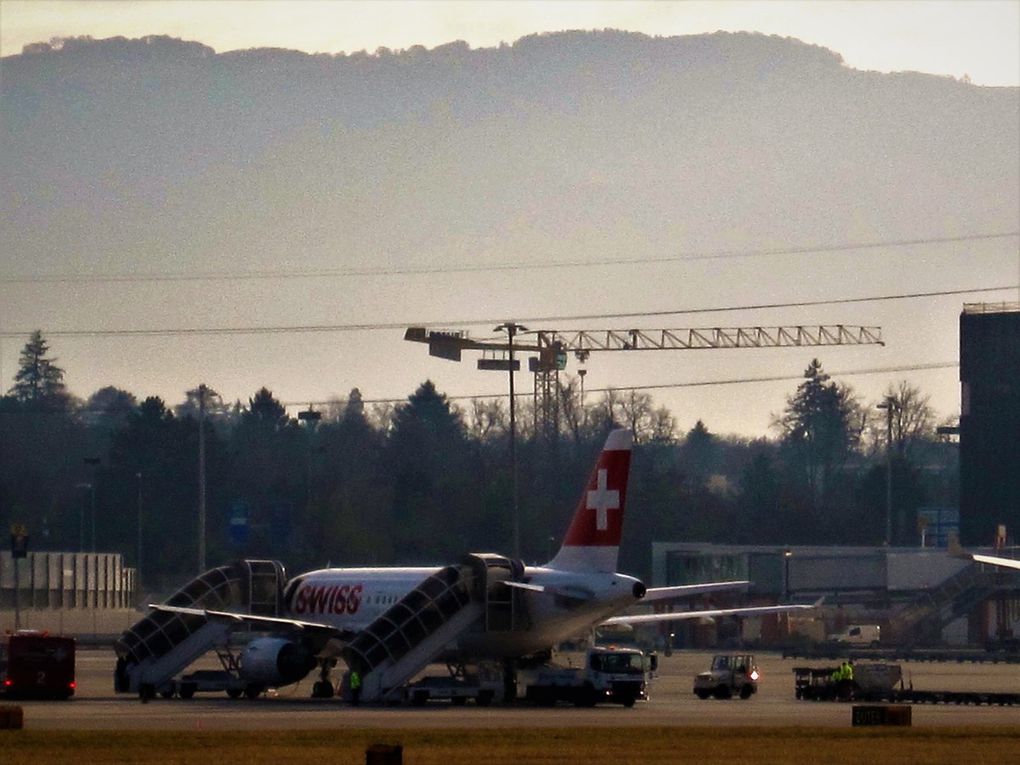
327,328
128,278
664,386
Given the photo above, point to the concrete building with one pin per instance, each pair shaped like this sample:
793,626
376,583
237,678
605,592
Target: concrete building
69,593
989,422
918,595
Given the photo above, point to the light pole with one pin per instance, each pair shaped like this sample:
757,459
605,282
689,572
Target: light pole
202,390
787,554
92,462
310,417
511,329
81,518
138,559
889,405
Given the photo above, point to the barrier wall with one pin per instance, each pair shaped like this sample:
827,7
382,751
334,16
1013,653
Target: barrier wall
53,580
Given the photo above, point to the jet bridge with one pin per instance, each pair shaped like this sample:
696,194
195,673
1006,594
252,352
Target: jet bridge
455,601
162,644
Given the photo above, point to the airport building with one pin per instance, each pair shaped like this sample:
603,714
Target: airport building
67,592
918,595
989,422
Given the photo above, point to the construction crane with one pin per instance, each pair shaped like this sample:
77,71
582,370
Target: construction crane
553,346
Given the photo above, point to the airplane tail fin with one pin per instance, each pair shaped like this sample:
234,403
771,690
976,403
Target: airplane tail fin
592,542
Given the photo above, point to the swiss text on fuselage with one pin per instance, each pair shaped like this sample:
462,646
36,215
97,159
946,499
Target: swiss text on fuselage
328,599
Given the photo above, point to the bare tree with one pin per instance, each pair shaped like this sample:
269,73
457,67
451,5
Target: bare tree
487,418
913,420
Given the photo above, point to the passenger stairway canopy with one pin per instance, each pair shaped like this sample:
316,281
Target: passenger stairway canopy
163,643
455,601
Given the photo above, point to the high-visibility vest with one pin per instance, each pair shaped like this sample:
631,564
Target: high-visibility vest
355,681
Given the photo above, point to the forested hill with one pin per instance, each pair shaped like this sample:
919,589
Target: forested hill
288,150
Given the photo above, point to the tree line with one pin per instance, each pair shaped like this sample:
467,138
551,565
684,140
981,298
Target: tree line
426,480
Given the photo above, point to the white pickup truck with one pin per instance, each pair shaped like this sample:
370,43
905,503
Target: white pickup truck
859,635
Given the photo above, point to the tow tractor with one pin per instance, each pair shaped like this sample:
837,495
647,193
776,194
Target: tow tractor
730,675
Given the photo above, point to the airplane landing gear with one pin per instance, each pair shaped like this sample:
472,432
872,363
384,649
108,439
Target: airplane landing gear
323,688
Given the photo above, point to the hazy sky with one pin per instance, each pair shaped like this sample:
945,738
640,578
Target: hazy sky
977,39
954,38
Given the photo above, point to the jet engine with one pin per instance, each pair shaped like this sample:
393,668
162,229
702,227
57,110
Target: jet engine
272,662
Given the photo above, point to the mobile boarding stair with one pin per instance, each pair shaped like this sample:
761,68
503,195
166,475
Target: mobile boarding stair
162,644
923,620
455,601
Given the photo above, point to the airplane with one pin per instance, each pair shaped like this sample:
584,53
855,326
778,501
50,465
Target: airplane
368,615
993,560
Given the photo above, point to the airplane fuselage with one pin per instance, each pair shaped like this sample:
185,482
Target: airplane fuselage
350,599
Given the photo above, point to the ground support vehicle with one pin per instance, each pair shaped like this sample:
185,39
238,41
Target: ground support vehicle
610,675
35,664
872,682
869,635
226,680
209,681
884,682
458,687
730,675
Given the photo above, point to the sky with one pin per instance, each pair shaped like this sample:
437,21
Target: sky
979,40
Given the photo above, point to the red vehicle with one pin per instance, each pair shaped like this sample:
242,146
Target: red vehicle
37,665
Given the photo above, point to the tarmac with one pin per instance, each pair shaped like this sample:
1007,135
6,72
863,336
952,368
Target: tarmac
95,706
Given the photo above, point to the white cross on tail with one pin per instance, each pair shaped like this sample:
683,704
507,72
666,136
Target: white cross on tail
601,500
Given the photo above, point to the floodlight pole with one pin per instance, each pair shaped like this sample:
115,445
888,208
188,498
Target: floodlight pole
890,405
512,329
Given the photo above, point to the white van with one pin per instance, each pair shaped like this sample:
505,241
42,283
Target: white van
858,634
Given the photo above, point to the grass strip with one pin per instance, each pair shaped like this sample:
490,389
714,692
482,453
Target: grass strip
516,746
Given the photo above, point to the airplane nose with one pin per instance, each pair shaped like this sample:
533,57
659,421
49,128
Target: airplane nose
639,590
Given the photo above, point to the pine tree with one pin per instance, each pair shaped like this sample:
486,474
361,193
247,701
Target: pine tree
39,379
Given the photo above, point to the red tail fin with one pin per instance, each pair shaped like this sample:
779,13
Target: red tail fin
592,542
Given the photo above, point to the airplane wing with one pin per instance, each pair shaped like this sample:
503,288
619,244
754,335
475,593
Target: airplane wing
574,593
994,560
685,590
654,593
260,622
679,615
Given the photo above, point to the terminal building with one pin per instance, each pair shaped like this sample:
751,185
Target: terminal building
918,595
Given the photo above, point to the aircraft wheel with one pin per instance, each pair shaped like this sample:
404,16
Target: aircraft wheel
323,689
235,693
253,691
187,690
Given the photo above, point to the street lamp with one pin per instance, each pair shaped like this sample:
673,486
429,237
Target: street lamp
787,554
138,560
92,462
81,516
889,405
310,417
511,330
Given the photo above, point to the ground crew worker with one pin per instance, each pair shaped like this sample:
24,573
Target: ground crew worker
844,677
355,684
